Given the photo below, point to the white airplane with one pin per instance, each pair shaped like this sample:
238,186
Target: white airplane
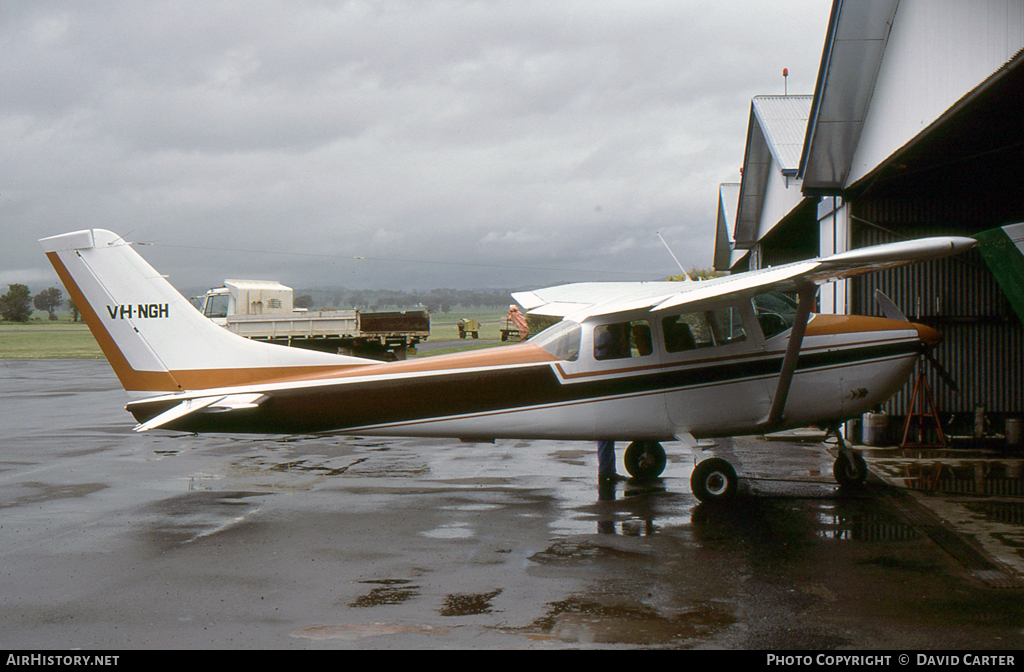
639,362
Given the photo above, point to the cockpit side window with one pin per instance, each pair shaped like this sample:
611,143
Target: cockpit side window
702,329
622,340
561,340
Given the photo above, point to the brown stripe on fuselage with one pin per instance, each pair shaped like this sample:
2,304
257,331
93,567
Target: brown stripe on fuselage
509,355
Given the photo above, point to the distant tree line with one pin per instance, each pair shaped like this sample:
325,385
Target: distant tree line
434,300
16,305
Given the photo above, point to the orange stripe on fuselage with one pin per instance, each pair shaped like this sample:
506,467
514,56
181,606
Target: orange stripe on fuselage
832,325
829,325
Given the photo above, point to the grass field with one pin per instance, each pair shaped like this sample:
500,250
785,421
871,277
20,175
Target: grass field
43,339
444,326
63,339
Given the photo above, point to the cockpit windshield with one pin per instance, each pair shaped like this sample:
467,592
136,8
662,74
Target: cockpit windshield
775,312
561,340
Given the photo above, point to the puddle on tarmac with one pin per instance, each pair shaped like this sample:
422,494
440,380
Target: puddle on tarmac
456,530
847,524
469,604
580,620
389,591
629,508
353,631
1010,513
566,550
572,550
953,472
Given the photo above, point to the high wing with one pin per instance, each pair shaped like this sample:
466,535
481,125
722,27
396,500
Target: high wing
582,300
580,297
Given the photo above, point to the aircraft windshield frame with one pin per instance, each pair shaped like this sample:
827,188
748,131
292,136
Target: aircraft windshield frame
775,311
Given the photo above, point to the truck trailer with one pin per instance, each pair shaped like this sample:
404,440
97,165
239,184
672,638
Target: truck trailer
263,310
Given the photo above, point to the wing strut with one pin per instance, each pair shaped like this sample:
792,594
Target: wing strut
806,292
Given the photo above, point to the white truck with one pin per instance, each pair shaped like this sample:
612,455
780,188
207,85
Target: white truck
263,310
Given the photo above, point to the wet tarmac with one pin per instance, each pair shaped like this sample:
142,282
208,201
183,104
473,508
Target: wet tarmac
115,540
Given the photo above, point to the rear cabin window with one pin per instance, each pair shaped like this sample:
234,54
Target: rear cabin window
623,340
703,329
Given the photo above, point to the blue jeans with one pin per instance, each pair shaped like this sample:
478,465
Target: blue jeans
605,458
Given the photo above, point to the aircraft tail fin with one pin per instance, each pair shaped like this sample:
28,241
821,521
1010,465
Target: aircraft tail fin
154,339
1003,251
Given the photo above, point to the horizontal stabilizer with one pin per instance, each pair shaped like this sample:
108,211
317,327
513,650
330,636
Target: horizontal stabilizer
212,404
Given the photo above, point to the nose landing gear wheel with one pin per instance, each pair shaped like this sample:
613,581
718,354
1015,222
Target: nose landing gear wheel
713,481
850,469
644,460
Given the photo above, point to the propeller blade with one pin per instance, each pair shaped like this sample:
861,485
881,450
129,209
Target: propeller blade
941,370
889,309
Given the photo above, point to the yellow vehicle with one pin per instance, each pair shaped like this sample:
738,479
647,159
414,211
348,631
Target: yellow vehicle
469,327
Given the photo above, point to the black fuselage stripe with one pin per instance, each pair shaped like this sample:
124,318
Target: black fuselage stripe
462,393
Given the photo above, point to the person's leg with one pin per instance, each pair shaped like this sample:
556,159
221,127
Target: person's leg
605,458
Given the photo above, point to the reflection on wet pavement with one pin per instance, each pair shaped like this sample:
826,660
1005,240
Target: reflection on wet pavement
185,518
962,471
111,539
976,490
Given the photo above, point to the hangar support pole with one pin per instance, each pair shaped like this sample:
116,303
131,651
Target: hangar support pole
834,237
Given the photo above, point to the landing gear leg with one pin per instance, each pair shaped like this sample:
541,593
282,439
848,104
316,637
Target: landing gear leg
849,469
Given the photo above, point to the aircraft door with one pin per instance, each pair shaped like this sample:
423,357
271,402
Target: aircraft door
618,368
714,358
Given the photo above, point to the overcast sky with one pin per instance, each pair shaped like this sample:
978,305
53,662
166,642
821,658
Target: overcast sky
450,143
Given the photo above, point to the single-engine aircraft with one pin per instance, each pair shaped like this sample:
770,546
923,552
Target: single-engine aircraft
639,362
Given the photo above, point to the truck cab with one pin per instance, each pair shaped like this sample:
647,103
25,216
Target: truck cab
247,297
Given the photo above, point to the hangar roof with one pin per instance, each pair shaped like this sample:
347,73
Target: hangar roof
728,197
783,120
854,46
775,133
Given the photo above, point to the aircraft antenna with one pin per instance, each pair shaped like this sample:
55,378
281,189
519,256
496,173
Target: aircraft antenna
685,274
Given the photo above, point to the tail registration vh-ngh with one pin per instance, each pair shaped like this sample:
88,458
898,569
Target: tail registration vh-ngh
638,362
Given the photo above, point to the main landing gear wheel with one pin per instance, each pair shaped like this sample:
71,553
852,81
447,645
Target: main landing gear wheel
644,460
850,469
713,481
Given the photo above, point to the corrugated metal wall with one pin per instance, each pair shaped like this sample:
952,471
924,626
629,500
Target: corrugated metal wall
983,347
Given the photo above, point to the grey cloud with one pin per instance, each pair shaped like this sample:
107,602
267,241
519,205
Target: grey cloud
529,134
